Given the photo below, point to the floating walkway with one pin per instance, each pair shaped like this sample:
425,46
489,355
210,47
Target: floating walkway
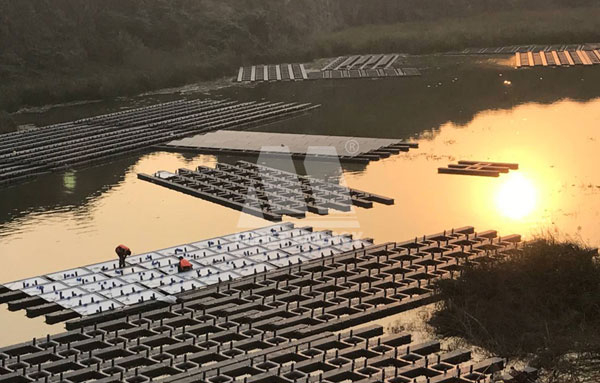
27,154
292,324
299,146
152,277
263,191
478,168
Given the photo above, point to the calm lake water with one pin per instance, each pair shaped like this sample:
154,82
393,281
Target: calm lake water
476,108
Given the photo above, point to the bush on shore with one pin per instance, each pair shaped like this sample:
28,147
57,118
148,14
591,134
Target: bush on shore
6,123
541,304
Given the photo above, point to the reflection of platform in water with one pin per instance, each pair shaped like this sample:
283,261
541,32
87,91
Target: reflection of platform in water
153,276
263,191
278,326
26,154
557,58
346,149
478,168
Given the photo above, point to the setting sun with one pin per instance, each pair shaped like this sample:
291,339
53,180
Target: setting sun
516,197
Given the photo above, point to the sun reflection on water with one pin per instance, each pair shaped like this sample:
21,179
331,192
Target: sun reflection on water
516,198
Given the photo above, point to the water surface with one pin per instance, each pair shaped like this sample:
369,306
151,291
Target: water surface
462,108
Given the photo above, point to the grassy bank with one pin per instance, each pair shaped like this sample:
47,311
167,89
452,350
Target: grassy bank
572,25
542,304
6,123
54,52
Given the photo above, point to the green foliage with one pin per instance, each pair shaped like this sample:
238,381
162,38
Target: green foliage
543,301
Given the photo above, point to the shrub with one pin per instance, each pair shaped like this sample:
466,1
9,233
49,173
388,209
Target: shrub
542,303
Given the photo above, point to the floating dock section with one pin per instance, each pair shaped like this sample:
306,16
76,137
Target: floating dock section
263,191
26,154
528,48
362,62
340,74
291,324
281,72
478,168
152,277
557,58
299,146
369,66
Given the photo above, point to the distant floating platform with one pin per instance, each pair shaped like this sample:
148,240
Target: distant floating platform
478,168
27,154
281,72
512,49
345,149
263,191
362,62
338,74
557,58
298,72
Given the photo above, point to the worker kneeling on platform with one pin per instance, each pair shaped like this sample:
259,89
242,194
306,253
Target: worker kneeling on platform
122,251
184,265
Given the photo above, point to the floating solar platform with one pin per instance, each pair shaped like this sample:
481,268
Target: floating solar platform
512,49
27,154
281,72
263,191
557,58
478,168
369,66
298,146
361,62
292,324
364,73
153,277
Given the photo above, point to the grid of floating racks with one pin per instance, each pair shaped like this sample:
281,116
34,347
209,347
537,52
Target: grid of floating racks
293,324
512,49
262,191
479,168
368,66
557,58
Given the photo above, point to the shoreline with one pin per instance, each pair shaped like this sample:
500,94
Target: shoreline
559,26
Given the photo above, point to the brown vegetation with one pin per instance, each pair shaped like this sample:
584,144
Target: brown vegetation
542,304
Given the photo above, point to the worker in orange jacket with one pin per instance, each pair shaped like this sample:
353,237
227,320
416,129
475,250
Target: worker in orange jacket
122,251
184,265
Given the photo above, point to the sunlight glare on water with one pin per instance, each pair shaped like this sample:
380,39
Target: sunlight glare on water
516,197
